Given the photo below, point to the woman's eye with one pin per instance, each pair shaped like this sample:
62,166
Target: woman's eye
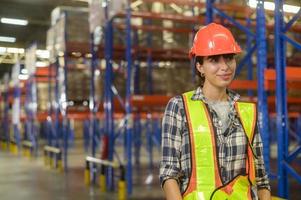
213,60
229,58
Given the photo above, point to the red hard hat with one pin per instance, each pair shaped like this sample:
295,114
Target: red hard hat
213,39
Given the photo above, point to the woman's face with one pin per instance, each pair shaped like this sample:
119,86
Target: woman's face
219,70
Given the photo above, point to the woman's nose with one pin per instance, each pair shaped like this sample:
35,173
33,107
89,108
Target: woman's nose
223,63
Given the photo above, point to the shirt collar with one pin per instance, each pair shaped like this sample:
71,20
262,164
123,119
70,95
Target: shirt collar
199,95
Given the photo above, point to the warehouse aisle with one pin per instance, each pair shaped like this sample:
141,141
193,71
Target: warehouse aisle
22,178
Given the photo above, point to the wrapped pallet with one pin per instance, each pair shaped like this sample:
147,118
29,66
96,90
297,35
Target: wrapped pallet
78,85
68,26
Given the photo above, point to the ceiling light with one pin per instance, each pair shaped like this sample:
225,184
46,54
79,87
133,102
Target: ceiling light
104,4
23,76
291,9
39,52
42,64
21,22
2,50
85,1
42,53
271,6
7,39
15,50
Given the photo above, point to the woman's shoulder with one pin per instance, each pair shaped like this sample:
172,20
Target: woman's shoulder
175,104
176,99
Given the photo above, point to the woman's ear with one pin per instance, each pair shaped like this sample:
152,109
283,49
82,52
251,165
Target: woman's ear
199,67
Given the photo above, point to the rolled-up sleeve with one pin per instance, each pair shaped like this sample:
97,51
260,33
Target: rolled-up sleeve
171,141
262,179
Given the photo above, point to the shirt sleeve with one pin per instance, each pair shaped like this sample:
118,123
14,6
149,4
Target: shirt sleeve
262,179
171,141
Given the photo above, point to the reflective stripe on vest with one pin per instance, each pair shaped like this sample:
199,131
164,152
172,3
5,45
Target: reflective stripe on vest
205,182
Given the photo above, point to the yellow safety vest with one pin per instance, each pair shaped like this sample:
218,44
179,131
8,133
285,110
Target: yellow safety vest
205,181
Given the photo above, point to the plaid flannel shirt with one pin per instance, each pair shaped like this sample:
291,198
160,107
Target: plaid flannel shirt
175,161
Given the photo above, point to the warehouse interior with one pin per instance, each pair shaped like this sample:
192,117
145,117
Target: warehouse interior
84,85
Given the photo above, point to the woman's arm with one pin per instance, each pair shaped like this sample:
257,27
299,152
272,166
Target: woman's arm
262,180
170,167
264,194
171,190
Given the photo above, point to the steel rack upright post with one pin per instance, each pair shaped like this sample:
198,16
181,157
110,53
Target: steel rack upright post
31,99
128,108
16,112
263,115
249,62
48,123
285,157
56,114
136,65
108,99
92,102
5,122
137,119
149,62
62,61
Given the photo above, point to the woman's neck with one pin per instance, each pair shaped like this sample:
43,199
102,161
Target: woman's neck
215,94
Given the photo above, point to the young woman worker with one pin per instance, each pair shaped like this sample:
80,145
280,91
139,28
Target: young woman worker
211,147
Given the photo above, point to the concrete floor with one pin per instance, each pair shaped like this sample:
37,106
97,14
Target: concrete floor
22,178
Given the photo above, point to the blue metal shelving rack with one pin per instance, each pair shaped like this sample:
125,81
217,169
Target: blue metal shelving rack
284,156
256,43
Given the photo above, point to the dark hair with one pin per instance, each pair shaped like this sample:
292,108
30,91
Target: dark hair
200,60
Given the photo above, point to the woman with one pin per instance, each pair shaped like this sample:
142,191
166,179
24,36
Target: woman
211,147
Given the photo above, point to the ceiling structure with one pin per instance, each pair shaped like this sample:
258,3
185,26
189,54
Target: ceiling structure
38,13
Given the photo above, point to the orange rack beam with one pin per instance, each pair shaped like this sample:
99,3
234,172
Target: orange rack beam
154,28
157,53
243,85
43,71
269,85
161,16
178,2
290,114
141,101
80,116
292,74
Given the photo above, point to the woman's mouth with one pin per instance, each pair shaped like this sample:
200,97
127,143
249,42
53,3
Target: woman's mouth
225,77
